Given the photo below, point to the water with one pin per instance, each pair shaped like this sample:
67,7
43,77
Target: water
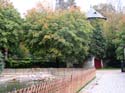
15,85
11,86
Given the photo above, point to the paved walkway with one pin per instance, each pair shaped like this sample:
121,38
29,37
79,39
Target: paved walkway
107,81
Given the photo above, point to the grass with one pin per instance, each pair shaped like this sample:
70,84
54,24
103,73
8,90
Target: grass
85,85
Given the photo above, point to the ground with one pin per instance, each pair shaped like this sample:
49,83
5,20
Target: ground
106,81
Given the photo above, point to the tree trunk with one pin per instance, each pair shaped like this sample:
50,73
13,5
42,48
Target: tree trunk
57,62
6,53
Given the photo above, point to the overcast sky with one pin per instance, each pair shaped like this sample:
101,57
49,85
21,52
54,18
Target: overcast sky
23,5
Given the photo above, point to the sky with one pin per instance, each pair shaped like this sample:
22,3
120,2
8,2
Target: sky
23,5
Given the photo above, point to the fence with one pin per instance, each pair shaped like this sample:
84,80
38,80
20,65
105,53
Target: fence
68,84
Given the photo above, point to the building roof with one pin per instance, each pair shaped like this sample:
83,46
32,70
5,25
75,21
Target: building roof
92,13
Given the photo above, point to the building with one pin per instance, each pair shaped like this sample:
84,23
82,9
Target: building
93,14
94,61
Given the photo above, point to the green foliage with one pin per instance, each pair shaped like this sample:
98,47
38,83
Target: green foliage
113,32
11,34
59,36
98,41
120,42
19,63
9,22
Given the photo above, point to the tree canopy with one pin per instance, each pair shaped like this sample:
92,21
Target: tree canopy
113,31
59,36
10,28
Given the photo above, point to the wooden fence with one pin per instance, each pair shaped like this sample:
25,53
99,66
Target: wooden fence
69,84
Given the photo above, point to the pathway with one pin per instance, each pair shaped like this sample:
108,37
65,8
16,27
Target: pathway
107,81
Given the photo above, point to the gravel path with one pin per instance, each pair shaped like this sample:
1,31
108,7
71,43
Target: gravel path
107,81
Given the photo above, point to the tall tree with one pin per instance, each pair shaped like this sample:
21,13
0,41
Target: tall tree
63,37
71,2
61,4
10,28
120,40
112,27
98,42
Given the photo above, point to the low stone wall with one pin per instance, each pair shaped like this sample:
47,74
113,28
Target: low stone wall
69,84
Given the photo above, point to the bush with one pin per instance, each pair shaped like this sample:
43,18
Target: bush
20,63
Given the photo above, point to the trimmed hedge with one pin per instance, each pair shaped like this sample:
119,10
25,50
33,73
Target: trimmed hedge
29,63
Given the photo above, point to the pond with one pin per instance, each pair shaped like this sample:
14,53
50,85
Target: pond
15,85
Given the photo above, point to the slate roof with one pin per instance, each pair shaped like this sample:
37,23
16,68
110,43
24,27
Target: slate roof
92,13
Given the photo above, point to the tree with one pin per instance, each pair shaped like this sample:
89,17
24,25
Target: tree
98,42
10,29
112,30
62,37
71,3
120,40
61,4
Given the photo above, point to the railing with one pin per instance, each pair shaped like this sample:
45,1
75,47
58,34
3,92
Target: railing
69,84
